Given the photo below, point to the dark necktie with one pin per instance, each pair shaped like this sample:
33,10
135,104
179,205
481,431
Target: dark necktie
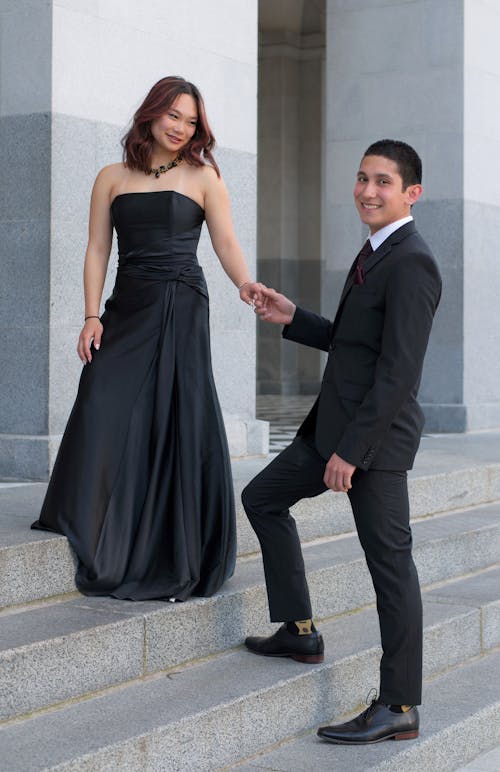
366,250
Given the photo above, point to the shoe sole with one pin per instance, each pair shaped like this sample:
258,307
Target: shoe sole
308,659
398,736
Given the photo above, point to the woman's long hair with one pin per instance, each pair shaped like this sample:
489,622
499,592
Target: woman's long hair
138,141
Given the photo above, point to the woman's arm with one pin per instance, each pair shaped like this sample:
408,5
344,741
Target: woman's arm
224,242
96,263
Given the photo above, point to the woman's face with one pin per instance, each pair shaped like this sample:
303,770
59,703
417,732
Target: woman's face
173,130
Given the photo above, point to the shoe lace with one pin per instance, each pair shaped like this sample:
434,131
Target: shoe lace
371,701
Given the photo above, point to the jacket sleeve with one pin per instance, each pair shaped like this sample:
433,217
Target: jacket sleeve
412,295
310,329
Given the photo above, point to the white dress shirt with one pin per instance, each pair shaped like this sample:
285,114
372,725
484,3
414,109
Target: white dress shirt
381,235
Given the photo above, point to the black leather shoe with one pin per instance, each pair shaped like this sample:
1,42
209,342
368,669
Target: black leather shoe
303,648
375,724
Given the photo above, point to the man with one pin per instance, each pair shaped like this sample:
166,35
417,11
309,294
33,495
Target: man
360,437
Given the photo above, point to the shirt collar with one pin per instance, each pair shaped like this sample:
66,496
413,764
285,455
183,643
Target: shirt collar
380,236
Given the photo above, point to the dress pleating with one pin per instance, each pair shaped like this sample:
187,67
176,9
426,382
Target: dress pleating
142,482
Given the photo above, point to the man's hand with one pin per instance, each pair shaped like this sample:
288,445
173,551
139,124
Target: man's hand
273,307
338,474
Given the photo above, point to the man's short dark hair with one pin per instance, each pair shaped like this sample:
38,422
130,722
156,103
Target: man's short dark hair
406,158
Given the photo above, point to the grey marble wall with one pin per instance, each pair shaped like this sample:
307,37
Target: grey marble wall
481,314
481,214
25,141
289,198
25,266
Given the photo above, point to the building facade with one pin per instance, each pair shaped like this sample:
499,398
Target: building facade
295,91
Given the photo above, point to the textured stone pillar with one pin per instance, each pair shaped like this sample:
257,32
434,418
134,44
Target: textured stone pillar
25,155
291,62
72,75
397,70
481,215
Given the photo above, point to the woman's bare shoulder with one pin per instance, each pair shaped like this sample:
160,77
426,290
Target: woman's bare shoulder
209,180
112,172
111,179
204,172
209,172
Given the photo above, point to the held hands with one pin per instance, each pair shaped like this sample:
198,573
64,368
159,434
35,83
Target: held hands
338,474
92,330
268,304
273,307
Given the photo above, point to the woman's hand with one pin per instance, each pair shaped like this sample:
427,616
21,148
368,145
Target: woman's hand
251,291
92,331
271,306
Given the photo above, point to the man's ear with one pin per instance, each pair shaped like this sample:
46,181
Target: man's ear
413,193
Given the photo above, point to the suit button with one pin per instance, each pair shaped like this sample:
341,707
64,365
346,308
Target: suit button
332,347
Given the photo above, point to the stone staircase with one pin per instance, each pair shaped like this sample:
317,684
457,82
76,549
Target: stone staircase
101,684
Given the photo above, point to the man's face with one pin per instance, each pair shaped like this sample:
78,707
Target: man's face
379,195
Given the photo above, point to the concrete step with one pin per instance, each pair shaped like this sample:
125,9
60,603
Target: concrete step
226,708
460,718
86,644
36,565
33,564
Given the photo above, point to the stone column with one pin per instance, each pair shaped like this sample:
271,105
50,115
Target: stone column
72,75
25,161
481,215
397,70
291,66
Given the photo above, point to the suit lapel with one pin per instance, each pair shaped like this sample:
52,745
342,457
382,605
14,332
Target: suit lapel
348,282
369,263
388,244
377,256
372,261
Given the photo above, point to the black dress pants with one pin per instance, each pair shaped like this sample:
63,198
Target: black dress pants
379,501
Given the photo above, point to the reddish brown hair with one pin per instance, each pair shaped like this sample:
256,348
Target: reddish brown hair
138,141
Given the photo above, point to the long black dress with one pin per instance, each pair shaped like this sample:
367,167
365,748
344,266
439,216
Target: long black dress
142,482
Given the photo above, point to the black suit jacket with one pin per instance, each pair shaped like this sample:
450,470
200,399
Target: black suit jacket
367,410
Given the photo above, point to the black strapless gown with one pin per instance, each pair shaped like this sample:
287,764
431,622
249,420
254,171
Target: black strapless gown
142,482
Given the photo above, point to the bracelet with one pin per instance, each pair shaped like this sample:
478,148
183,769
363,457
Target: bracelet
245,282
91,317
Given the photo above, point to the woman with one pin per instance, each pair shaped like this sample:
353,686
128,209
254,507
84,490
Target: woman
142,483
